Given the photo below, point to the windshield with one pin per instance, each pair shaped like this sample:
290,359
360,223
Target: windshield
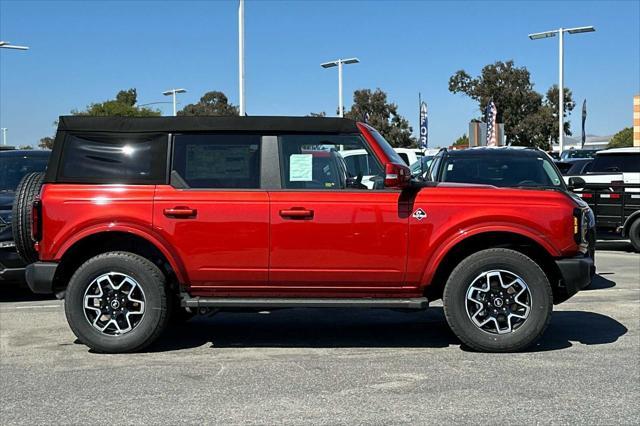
422,165
616,163
13,168
578,153
382,142
502,171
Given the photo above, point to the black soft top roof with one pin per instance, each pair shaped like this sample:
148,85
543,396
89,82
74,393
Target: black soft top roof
204,124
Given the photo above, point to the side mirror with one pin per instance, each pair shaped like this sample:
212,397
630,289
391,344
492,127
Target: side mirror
396,175
576,183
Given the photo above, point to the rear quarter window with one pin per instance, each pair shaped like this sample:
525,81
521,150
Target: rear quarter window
114,158
616,163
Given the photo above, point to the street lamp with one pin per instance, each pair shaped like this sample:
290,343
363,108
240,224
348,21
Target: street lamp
7,45
173,92
241,57
338,63
4,135
560,32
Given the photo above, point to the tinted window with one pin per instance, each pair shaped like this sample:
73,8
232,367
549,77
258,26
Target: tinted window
14,167
502,171
404,157
316,162
114,158
616,163
422,165
218,161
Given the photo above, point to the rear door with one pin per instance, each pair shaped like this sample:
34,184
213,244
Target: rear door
330,232
214,214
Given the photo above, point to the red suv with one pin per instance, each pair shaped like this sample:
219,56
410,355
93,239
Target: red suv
140,219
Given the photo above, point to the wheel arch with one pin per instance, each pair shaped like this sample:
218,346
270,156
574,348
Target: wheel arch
524,244
93,244
627,223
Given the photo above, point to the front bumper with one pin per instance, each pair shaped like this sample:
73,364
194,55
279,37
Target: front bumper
40,277
576,274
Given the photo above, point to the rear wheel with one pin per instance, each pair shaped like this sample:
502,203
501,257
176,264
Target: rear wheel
117,302
27,191
634,234
498,300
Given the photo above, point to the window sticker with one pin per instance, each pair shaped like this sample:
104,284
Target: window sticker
301,168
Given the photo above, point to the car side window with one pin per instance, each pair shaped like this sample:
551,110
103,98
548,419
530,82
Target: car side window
217,161
328,162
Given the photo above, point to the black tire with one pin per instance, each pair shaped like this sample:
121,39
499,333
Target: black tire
455,300
156,313
28,190
634,234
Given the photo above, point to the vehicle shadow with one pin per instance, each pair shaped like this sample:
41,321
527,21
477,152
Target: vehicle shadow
600,283
19,292
614,245
334,328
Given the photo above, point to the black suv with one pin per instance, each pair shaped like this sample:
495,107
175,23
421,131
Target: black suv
511,167
14,164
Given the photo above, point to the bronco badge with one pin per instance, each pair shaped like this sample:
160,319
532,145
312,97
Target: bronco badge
419,214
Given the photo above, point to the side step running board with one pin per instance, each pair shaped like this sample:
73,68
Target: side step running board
269,302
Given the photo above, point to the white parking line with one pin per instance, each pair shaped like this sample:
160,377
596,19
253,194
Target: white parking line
37,306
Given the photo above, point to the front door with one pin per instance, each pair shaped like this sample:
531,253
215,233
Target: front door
329,231
214,214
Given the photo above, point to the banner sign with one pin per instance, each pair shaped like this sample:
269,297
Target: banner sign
424,126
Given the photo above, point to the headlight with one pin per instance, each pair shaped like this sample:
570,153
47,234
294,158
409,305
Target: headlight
583,221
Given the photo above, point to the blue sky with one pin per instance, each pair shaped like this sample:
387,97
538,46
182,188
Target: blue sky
83,52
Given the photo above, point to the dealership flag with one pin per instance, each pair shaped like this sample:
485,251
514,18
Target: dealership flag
424,126
584,118
492,126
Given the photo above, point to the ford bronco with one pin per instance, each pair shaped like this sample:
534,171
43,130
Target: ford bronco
141,219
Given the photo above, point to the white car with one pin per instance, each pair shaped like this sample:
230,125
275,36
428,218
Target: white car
614,165
360,161
409,155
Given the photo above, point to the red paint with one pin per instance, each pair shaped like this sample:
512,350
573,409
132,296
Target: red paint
322,243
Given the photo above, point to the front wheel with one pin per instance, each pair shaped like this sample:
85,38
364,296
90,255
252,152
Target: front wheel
498,300
117,302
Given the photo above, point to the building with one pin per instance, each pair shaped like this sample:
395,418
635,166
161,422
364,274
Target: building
636,120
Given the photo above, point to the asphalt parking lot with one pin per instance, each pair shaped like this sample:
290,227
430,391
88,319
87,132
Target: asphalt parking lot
332,366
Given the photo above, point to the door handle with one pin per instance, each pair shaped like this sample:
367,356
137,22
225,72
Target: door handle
297,213
181,212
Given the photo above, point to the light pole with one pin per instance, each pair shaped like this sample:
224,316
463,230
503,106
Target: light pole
173,92
7,45
339,63
560,32
241,57
4,136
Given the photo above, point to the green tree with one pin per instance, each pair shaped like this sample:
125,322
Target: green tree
26,147
529,118
124,105
46,142
462,141
622,139
382,115
317,114
211,103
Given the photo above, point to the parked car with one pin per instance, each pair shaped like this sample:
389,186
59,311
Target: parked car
140,217
14,164
572,153
420,167
578,166
611,187
409,155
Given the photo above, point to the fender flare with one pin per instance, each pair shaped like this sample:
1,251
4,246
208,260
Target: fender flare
627,223
456,238
133,229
